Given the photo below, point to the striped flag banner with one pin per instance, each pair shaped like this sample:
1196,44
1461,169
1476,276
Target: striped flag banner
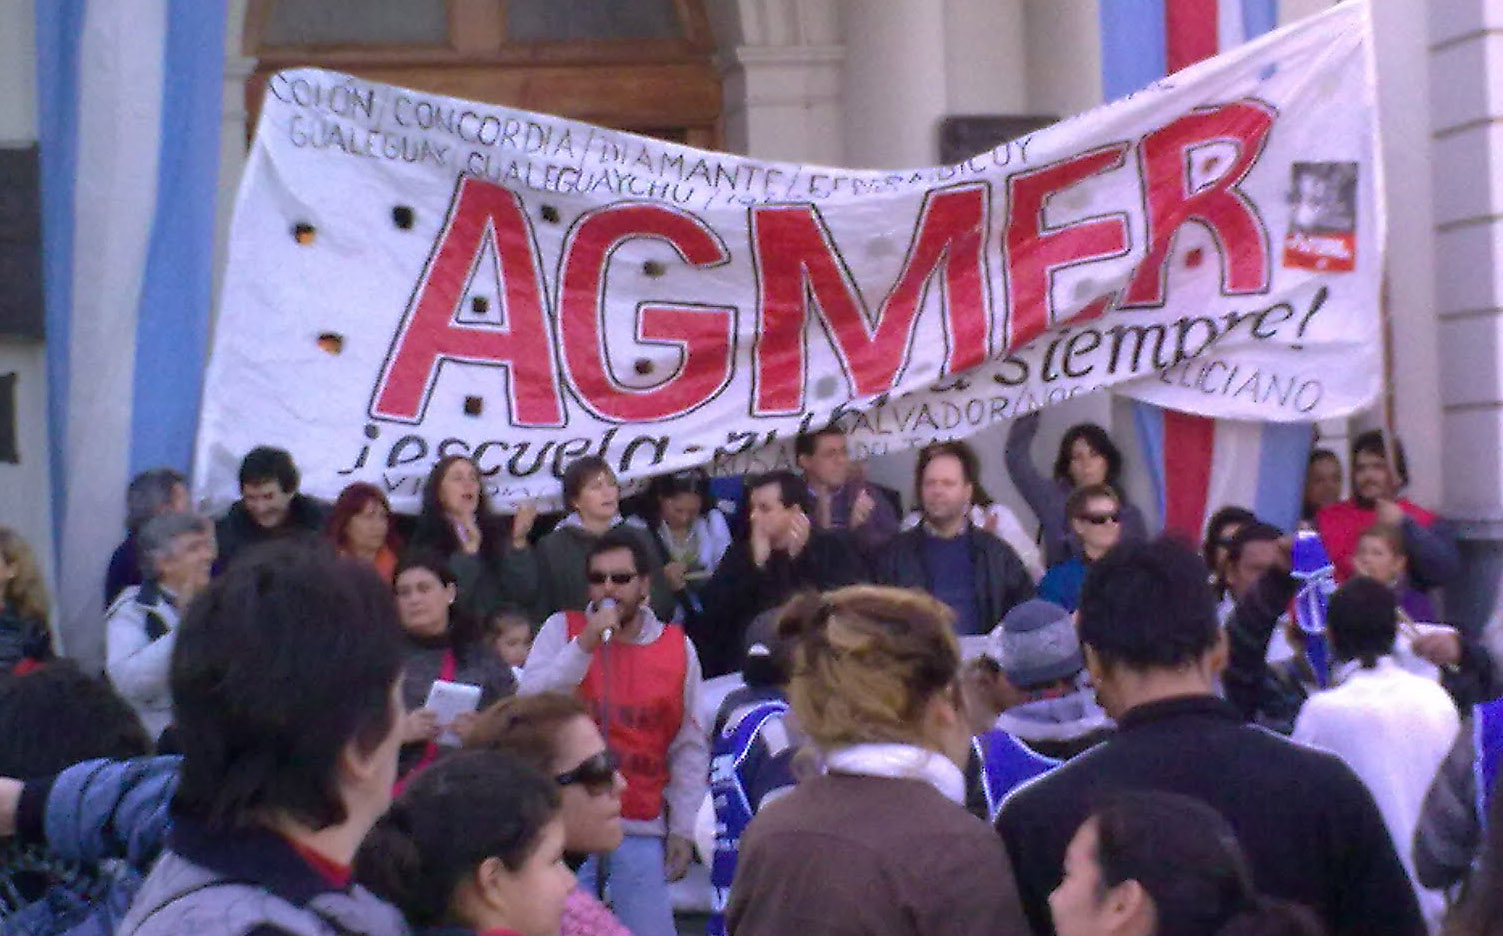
1197,464
129,96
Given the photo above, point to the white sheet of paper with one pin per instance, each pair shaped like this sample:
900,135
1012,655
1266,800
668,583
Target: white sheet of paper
447,700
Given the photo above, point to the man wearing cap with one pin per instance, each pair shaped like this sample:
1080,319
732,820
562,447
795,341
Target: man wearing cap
1039,652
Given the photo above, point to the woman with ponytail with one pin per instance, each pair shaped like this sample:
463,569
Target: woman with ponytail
474,844
1147,863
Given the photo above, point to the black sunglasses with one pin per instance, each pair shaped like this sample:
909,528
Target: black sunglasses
596,774
1101,519
619,578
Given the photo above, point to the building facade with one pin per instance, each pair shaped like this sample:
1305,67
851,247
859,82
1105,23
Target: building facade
865,83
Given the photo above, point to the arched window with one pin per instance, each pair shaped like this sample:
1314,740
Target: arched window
639,65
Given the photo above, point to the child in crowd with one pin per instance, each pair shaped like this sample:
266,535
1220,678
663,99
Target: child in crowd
510,632
1380,556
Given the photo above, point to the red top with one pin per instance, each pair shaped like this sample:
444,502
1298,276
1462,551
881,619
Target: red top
643,712
1341,524
336,874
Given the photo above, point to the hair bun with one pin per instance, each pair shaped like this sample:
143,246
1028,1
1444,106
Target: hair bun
806,613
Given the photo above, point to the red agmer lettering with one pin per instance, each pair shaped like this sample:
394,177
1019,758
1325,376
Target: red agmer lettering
1033,251
702,333
797,263
481,214
1219,206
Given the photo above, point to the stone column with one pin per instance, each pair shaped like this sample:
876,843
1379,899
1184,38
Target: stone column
1466,109
895,82
781,61
232,137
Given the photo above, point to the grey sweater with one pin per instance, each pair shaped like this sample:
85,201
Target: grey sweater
249,882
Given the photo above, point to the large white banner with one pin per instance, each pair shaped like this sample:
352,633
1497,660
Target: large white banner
413,275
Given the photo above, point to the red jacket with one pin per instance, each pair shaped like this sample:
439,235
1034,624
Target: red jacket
1343,523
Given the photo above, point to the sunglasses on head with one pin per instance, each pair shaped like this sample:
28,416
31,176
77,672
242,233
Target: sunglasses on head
596,774
1102,519
618,578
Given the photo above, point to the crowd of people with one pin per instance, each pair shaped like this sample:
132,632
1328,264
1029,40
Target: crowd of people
332,719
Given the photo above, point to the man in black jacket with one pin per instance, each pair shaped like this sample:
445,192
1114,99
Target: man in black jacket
1309,828
781,554
270,507
969,569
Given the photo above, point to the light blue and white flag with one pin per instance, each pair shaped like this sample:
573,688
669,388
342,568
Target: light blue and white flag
129,103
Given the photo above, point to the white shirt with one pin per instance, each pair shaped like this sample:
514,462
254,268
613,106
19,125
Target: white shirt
1393,729
557,664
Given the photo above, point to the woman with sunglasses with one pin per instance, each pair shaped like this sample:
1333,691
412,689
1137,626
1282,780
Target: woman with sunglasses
875,688
503,875
554,733
1087,456
1095,514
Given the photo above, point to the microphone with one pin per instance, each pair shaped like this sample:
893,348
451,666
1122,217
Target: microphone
606,604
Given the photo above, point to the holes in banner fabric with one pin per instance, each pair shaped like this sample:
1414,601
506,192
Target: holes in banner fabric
643,366
480,305
331,342
653,268
401,216
304,233
549,213
473,406
1194,257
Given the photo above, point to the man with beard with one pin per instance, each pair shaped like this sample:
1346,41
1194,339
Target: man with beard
1433,558
980,577
641,678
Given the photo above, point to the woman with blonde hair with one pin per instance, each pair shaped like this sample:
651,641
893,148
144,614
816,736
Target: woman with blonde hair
875,688
24,605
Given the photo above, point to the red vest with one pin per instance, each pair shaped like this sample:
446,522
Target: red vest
643,712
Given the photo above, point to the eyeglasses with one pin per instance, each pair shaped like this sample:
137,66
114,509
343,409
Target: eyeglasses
1101,519
597,774
618,578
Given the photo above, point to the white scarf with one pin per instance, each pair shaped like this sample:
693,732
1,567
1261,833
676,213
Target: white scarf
574,520
901,762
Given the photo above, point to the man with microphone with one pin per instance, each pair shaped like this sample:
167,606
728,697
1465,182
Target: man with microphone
641,678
